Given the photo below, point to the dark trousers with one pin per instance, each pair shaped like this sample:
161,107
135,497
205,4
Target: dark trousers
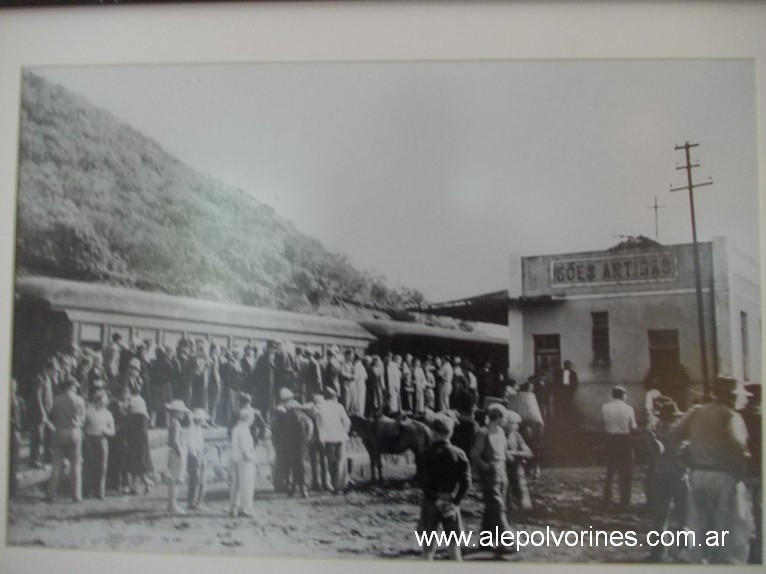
319,478
430,521
280,468
289,468
619,460
95,454
213,399
196,468
494,487
668,492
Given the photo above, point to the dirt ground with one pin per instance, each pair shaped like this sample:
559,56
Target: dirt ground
367,522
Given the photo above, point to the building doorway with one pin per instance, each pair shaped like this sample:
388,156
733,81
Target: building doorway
547,354
665,365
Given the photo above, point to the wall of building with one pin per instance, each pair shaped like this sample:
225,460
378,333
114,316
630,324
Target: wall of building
630,319
738,320
643,289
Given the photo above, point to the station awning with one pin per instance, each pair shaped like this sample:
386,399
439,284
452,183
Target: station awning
487,308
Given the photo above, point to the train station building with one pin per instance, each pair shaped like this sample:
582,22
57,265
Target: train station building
626,314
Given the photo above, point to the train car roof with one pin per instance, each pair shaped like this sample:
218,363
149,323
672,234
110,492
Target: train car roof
64,295
383,328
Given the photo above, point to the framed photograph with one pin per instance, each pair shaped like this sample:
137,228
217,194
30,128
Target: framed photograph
289,281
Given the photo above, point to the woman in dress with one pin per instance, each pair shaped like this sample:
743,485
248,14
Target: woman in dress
138,458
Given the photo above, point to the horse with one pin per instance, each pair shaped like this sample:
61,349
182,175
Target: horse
384,435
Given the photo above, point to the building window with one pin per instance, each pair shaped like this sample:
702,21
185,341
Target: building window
745,346
600,337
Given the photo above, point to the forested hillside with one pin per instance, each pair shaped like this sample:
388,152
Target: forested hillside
100,202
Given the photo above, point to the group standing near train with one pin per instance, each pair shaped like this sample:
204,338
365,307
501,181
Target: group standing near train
94,409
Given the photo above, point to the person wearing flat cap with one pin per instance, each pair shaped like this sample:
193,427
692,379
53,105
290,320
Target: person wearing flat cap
446,479
489,456
718,458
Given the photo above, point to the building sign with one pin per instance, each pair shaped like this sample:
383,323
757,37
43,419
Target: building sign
613,269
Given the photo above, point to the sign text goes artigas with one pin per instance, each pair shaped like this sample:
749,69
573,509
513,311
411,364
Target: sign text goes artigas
634,268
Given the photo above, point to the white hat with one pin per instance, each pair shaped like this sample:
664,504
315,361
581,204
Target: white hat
285,394
176,405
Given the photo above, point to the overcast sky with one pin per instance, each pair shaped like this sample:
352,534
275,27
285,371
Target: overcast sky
431,174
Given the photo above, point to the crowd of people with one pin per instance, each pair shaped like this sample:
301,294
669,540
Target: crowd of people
95,409
703,473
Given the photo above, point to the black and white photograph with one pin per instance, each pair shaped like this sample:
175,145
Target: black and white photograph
499,310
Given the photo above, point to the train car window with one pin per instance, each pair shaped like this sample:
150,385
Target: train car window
124,332
240,342
171,338
194,336
91,336
145,334
221,340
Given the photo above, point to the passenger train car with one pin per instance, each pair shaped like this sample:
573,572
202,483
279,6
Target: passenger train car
54,314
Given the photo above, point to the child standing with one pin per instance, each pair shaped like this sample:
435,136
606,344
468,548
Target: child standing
179,450
242,465
196,459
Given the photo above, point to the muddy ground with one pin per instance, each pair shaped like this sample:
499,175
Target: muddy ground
367,522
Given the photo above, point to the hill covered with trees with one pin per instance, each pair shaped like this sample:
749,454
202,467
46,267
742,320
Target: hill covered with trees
100,202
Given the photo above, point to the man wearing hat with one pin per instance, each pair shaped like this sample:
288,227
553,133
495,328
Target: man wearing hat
667,480
718,459
333,425
332,371
446,479
280,438
619,423
292,431
262,385
489,456
67,418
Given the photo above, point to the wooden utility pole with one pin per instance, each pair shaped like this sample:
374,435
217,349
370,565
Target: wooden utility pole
697,276
656,207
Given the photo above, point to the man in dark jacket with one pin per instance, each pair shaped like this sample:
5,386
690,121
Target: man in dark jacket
446,478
